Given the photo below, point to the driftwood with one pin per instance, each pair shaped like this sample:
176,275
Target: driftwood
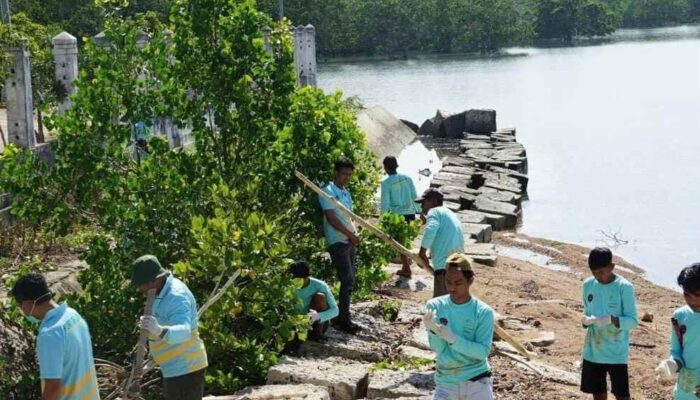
365,224
132,387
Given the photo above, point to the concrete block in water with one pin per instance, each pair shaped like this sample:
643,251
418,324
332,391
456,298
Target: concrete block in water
480,121
509,211
480,232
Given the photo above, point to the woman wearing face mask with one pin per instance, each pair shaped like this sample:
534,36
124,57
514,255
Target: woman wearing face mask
64,347
316,299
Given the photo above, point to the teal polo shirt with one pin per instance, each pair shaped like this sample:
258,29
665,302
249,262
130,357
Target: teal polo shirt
398,195
343,196
443,236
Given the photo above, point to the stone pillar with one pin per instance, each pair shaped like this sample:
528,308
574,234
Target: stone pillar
65,56
305,54
20,104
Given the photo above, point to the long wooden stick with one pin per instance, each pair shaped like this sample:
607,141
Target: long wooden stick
365,224
132,389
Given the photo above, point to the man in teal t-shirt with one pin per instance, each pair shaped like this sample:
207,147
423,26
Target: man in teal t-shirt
63,344
610,313
443,236
316,299
460,330
685,339
398,194
342,240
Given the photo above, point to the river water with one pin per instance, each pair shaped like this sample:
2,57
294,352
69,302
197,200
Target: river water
612,130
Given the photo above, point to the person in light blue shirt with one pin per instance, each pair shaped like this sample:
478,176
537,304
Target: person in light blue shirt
610,313
443,236
398,194
173,339
316,299
64,346
684,357
342,240
460,331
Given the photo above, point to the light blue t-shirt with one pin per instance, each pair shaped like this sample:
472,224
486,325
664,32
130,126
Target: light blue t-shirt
398,195
318,286
64,349
473,323
180,351
609,344
688,354
443,236
343,196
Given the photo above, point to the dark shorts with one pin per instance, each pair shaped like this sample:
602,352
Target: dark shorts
410,217
594,378
185,387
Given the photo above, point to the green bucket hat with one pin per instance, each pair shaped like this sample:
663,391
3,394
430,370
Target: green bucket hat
146,269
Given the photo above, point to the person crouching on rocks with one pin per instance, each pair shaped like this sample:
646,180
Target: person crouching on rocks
460,330
685,339
317,301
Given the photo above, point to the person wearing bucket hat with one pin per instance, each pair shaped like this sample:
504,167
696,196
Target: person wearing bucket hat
173,338
460,331
63,344
443,236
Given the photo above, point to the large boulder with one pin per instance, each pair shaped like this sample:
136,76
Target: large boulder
413,126
273,392
480,121
453,126
344,379
386,134
388,384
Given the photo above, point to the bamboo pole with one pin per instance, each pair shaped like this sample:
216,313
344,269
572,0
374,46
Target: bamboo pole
365,224
500,332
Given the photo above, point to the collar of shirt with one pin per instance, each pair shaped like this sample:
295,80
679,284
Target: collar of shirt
165,291
54,313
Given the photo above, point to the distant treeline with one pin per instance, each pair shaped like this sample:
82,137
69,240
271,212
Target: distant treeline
396,27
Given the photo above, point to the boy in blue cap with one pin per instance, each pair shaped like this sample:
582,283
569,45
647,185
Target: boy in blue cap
610,313
685,339
317,301
173,337
63,344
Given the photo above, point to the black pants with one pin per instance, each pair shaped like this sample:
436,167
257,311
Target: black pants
185,387
343,259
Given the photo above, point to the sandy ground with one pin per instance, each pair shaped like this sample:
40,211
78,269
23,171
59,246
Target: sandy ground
520,289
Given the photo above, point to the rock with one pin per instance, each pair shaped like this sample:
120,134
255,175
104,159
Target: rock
419,338
497,222
470,136
509,211
647,317
471,217
457,195
505,197
482,253
386,134
457,162
503,186
453,125
515,324
271,392
461,170
344,379
480,232
5,200
408,352
388,384
412,126
429,128
452,205
480,121
544,339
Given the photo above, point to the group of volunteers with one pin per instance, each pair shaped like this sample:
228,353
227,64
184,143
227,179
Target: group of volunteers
460,327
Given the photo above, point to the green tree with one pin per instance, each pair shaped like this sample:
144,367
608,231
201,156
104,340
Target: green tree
567,19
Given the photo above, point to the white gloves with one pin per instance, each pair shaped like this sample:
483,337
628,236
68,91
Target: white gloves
604,320
441,330
666,369
314,316
150,323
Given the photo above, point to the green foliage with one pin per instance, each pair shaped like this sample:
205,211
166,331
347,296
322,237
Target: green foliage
390,309
411,364
566,19
230,204
645,13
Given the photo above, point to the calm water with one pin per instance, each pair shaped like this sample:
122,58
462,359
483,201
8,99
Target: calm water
612,131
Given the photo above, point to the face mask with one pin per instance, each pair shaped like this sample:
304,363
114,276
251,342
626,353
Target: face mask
299,282
29,317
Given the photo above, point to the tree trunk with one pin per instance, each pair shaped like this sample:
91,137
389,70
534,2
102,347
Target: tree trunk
40,133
